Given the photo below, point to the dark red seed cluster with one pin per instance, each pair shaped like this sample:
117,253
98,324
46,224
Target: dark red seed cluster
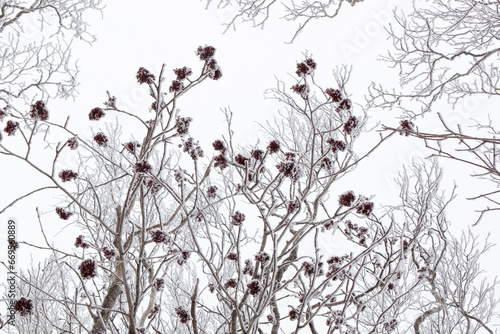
192,148
237,218
231,283
406,126
142,167
360,232
302,90
39,111
337,145
152,184
335,263
423,272
347,199
257,154
101,139
326,163
334,94
306,67
350,125
108,253
274,146
24,306
293,206
158,284
132,146
241,159
67,175
176,86
158,236
289,169
182,73
232,256
344,105
87,269
206,54
72,143
80,243
309,269
220,161
254,287
143,76
182,125
219,145
391,325
211,192
365,208
248,269
262,257
63,214
154,310
96,114
183,315
293,314
11,128
183,257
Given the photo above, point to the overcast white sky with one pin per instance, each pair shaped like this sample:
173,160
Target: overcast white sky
166,31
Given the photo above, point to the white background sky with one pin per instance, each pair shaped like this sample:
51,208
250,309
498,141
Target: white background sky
166,31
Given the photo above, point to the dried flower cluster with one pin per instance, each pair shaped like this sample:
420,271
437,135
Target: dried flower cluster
211,192
237,218
248,269
24,306
144,76
254,287
182,125
63,214
274,146
192,148
306,67
183,315
67,175
39,111
334,94
350,125
231,283
88,269
159,237
101,139
206,54
262,257
289,167
80,243
11,128
158,284
108,253
72,143
142,167
240,159
96,114
347,199
365,208
132,146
